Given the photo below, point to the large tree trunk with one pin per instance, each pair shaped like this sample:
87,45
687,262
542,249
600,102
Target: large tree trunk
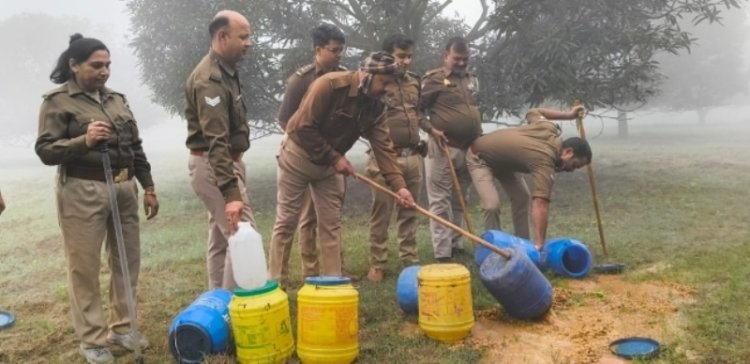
622,124
702,112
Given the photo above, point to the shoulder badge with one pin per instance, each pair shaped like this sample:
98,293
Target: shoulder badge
305,69
212,101
432,72
340,80
341,68
47,95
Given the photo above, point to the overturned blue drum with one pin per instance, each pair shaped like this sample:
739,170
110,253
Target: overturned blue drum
202,328
519,286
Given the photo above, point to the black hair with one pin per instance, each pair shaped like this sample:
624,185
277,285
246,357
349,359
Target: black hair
215,25
458,44
79,49
581,148
394,41
324,33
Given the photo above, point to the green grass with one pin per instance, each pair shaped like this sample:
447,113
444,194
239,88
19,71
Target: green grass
670,196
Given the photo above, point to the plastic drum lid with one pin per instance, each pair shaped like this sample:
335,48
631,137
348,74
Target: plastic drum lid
635,347
327,280
271,284
6,319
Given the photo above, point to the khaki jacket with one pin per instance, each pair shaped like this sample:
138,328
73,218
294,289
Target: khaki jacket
63,121
333,115
216,119
450,101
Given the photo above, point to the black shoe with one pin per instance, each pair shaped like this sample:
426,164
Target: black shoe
444,260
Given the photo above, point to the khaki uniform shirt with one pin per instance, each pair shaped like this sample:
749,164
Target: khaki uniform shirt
533,148
216,119
333,115
450,100
402,111
63,121
296,86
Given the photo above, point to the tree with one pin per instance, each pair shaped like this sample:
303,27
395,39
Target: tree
171,36
712,74
528,52
602,52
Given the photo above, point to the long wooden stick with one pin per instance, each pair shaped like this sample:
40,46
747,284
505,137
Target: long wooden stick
457,188
477,240
592,182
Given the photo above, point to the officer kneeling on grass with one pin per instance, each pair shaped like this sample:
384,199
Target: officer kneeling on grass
536,149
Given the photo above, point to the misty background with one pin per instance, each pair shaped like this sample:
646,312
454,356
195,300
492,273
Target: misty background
35,32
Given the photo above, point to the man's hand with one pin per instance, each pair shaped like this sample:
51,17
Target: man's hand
405,198
577,111
97,131
439,137
150,204
233,210
344,167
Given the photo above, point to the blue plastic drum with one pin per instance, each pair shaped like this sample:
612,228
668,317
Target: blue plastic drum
519,286
502,239
202,328
568,257
407,289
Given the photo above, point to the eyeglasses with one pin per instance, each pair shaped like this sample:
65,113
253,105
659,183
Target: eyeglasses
336,50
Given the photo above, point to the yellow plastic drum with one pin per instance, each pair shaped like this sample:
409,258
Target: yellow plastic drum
327,321
445,307
260,324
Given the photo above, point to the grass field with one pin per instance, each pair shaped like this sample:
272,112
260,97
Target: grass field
673,197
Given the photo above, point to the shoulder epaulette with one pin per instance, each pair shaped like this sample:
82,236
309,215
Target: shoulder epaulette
47,95
412,74
340,81
432,72
305,69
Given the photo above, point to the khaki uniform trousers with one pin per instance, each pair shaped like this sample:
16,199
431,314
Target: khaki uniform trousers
307,241
382,209
513,184
295,175
85,219
442,198
203,181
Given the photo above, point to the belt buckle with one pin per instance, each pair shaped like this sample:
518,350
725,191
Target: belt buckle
121,176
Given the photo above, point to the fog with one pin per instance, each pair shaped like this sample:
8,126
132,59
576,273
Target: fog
108,21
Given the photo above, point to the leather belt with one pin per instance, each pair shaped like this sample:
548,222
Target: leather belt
293,147
97,174
236,156
404,152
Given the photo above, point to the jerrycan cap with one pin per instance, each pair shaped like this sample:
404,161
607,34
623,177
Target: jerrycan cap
327,280
271,284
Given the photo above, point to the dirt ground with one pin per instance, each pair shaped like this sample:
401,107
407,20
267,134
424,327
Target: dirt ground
586,316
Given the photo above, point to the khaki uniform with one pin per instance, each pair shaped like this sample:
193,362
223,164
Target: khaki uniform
296,86
83,208
450,102
504,154
403,119
332,116
218,134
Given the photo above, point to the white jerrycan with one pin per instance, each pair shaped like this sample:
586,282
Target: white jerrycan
248,257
